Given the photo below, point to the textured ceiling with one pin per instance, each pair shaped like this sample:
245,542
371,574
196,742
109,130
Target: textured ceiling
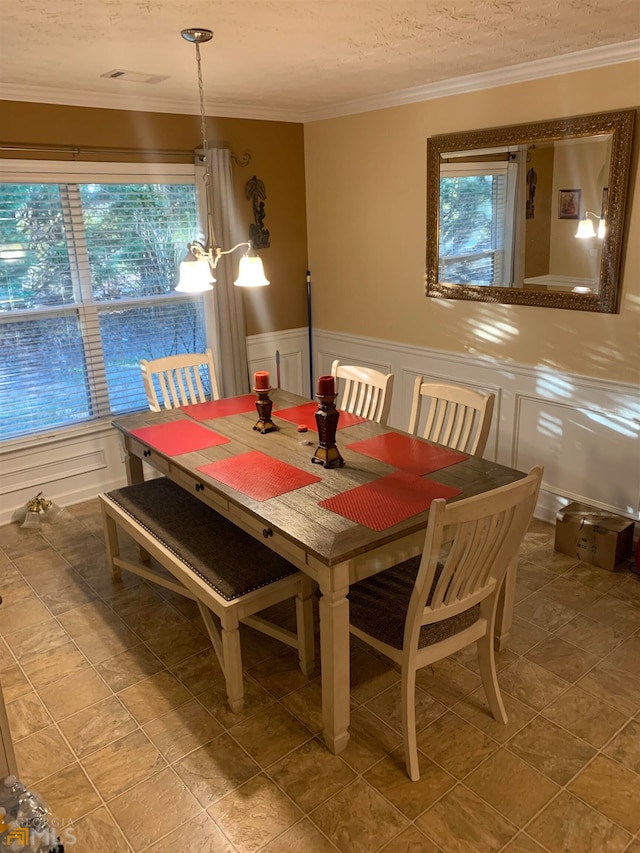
294,59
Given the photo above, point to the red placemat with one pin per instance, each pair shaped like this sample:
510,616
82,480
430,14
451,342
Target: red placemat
257,475
176,437
305,414
408,453
221,408
389,500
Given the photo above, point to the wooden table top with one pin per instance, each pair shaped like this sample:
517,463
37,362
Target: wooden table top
295,515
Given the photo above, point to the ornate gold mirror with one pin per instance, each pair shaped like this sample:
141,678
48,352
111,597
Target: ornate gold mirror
531,214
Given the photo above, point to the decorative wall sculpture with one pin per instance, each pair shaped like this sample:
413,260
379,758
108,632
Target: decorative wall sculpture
258,234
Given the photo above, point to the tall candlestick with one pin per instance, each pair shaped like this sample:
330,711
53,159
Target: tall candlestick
327,454
261,379
326,386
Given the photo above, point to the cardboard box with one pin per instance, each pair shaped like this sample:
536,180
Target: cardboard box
593,535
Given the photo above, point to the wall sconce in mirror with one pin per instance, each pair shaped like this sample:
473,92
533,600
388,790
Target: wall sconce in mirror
493,231
586,229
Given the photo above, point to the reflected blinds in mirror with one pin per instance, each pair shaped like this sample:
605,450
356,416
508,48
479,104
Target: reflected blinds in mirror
474,219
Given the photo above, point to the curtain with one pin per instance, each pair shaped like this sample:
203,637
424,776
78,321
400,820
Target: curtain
519,217
231,368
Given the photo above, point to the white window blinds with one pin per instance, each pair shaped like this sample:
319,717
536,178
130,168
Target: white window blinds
87,271
474,239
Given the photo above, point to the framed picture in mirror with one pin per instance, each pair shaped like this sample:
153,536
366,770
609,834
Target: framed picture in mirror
569,204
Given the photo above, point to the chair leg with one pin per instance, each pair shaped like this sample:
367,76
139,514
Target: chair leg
304,625
232,661
487,661
408,689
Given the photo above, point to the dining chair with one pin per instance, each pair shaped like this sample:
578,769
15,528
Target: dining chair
456,416
433,605
179,379
365,392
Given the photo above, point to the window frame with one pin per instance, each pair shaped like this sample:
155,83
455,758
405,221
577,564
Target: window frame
504,254
95,172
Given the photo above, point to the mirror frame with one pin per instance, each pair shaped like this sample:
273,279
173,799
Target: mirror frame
620,124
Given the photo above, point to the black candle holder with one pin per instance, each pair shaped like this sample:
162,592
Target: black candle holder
327,416
264,407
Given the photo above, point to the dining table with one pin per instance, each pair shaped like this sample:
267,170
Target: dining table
337,524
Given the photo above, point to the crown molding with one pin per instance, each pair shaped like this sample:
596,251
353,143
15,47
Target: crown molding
580,61
135,103
583,60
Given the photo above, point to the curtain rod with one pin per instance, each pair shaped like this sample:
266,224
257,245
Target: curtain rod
77,151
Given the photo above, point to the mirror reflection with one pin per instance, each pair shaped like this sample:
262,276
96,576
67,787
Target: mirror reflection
534,210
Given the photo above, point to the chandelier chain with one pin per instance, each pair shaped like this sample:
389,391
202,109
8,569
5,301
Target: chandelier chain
203,126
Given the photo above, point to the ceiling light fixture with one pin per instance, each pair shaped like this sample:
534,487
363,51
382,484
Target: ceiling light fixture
196,270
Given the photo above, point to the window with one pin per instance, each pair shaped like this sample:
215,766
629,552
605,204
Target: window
87,269
476,212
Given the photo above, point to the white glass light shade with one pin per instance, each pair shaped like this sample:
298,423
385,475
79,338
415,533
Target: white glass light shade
53,512
31,520
195,275
585,229
602,227
251,272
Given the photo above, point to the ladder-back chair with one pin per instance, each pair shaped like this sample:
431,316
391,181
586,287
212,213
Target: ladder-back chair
456,416
365,392
430,607
177,380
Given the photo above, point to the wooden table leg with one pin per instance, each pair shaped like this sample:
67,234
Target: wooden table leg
504,615
133,467
334,651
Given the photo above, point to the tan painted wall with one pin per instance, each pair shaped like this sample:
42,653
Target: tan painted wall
366,218
582,167
538,229
277,158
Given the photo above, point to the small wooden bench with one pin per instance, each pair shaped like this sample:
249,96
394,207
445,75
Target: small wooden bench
223,569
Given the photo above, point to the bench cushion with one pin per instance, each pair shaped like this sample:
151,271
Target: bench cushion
231,561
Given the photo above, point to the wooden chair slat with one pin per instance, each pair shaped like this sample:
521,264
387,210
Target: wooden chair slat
365,392
179,380
456,416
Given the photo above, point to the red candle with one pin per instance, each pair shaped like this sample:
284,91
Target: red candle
261,379
326,386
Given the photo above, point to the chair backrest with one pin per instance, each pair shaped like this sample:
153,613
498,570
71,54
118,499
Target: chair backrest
456,416
178,379
365,391
468,548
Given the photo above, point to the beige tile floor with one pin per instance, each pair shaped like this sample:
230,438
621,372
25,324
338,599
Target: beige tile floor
118,713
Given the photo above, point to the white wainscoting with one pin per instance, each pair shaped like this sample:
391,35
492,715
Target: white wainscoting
293,349
585,431
69,466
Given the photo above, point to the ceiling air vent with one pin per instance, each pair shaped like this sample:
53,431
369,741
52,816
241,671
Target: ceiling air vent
134,77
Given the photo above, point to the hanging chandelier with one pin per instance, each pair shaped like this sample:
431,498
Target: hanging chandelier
196,269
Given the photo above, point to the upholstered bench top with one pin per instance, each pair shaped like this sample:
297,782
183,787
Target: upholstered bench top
231,561
378,606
